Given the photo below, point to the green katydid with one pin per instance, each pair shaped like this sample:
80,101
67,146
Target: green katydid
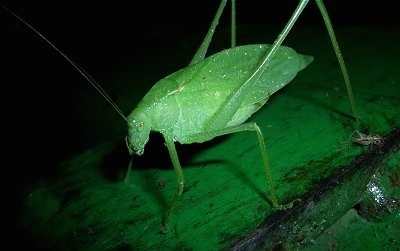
216,95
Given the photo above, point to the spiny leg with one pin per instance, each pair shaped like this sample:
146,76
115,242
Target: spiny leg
201,52
339,56
223,115
237,99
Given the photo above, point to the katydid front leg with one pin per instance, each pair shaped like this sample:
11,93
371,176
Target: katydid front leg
169,141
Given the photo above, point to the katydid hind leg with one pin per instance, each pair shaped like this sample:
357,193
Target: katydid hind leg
201,52
223,115
340,59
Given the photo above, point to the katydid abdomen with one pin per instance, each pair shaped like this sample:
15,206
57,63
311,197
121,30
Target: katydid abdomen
184,102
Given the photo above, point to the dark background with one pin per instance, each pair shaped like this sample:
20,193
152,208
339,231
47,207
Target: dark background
50,112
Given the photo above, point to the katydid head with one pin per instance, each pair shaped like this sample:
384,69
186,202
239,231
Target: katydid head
139,126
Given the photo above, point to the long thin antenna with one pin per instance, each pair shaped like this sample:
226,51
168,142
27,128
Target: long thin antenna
89,78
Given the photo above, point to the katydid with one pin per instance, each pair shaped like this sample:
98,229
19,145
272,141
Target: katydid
216,95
